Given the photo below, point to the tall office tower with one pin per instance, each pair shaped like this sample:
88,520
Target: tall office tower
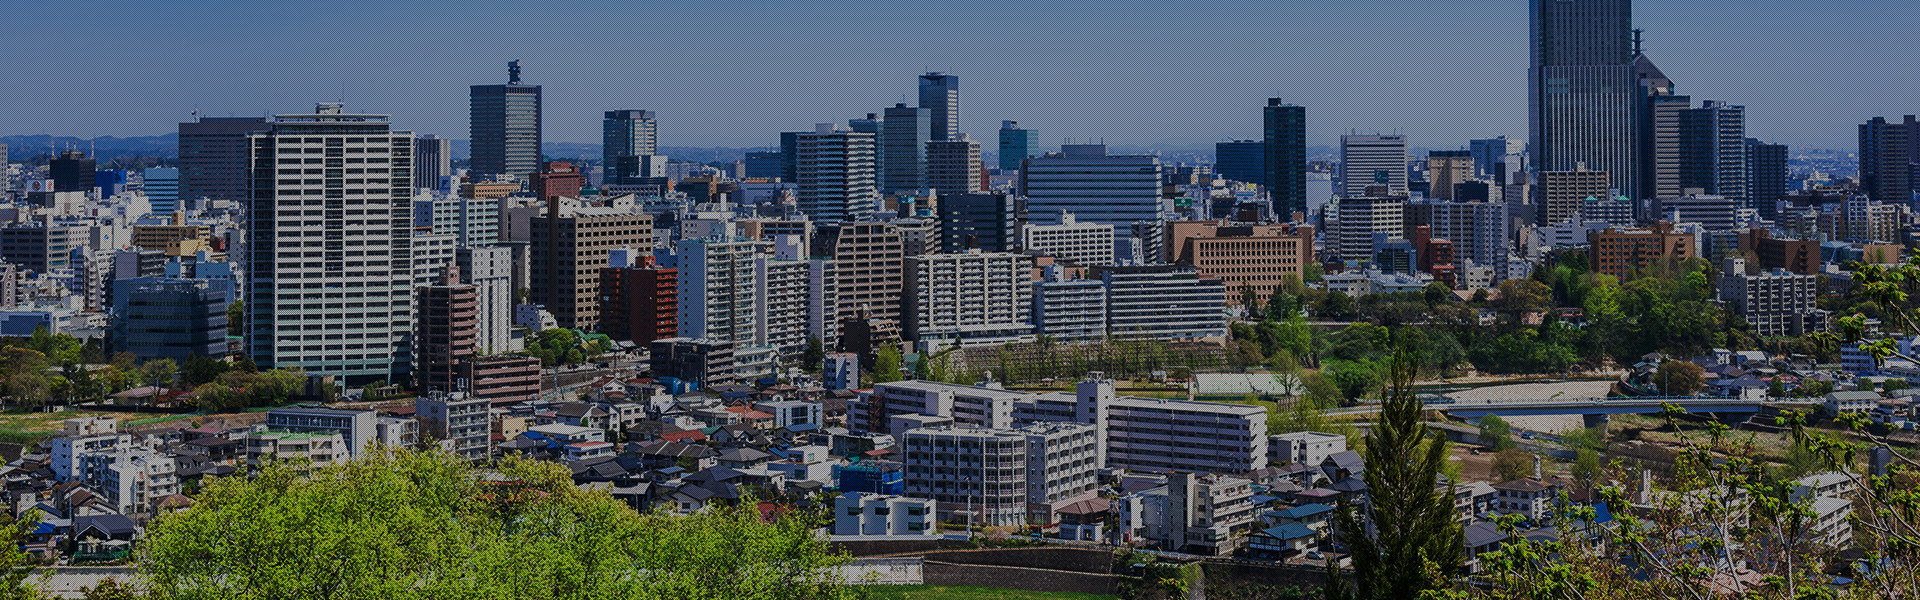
1583,97
1094,186
1367,160
1016,145
490,271
1766,176
875,125
446,335
71,171
1498,158
1241,160
1286,156
625,136
985,222
953,166
867,261
1713,150
903,149
764,165
311,302
1447,168
1562,193
213,156
968,299
790,156
162,185
432,161
504,127
834,173
940,95
716,289
1662,116
1889,153
568,247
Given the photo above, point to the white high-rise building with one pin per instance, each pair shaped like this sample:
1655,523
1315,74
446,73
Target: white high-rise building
973,298
1085,244
1095,187
329,246
490,270
471,221
1373,159
716,289
834,170
1351,222
781,308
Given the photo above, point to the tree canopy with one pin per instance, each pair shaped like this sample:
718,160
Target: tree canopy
406,524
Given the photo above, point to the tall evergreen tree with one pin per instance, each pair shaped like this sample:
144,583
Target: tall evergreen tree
1405,541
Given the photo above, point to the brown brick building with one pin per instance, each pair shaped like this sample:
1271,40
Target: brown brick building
1618,252
1256,256
568,249
639,303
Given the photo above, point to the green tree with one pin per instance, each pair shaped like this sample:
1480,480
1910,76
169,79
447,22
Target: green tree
237,315
201,370
1409,543
403,524
1586,466
16,574
815,354
886,364
1335,306
159,372
1679,378
1495,433
1511,464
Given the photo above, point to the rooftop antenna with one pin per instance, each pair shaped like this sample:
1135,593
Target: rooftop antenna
513,72
1637,40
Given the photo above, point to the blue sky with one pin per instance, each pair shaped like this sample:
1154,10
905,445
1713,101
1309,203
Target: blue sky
736,73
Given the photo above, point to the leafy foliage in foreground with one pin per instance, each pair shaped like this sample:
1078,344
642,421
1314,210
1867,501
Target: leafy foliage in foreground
404,524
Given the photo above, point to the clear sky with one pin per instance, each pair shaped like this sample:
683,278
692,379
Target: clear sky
736,73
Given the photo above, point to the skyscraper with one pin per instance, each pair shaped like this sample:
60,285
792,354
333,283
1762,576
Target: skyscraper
1662,115
1713,150
834,173
1889,153
504,127
1286,156
1447,168
1583,97
1017,144
953,166
1766,175
1497,158
310,302
875,125
625,136
940,95
903,149
71,171
1096,187
213,156
162,186
432,161
1373,160
1241,160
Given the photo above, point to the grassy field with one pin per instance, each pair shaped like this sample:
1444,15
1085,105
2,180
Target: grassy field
19,425
955,592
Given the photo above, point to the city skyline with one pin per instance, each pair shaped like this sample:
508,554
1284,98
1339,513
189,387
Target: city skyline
774,77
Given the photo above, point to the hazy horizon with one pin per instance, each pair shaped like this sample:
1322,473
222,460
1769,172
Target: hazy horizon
1130,72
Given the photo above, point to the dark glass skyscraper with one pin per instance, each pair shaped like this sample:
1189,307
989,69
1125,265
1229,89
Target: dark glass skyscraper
504,127
1583,97
71,171
1766,175
1017,144
1241,160
213,156
1286,157
903,148
625,136
940,96
1713,150
1889,156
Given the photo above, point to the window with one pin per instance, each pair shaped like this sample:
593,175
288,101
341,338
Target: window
853,511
